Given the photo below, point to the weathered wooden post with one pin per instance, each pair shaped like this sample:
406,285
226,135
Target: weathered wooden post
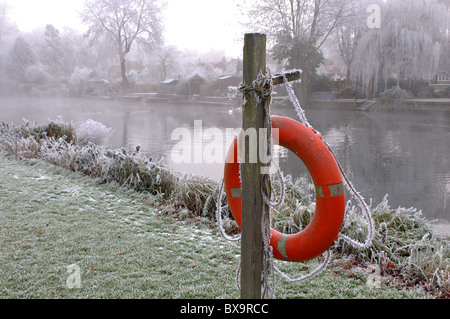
254,118
256,90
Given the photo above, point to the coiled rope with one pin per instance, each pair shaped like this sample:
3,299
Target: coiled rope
362,204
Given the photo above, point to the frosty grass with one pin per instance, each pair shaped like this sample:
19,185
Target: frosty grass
124,246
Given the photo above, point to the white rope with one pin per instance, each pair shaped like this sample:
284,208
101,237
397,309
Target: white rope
267,287
295,101
319,269
219,216
309,276
282,188
362,204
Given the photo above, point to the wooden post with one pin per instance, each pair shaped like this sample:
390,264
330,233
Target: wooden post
254,117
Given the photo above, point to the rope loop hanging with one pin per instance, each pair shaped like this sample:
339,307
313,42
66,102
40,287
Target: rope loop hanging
351,189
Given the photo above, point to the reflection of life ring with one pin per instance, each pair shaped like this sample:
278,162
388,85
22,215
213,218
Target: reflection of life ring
326,223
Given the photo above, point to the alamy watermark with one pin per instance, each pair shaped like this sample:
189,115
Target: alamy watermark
374,19
74,279
209,146
374,279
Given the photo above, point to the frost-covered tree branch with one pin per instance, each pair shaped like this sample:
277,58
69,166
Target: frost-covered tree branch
124,22
297,29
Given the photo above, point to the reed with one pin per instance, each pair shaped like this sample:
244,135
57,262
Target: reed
56,143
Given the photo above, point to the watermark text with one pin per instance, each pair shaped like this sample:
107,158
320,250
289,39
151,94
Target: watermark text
374,19
210,146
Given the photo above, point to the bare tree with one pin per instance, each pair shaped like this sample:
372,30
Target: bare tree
3,19
167,58
21,57
6,25
125,22
297,29
348,32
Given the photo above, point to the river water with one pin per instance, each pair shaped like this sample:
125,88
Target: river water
405,154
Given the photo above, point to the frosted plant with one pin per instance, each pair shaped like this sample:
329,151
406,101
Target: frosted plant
94,132
79,75
232,92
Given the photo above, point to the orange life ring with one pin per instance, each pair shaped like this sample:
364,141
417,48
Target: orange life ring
326,223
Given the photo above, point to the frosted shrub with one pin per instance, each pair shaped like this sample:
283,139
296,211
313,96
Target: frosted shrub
58,144
37,74
193,191
94,132
82,153
393,97
79,75
28,140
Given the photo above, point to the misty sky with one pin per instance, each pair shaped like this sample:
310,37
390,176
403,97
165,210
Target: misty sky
196,24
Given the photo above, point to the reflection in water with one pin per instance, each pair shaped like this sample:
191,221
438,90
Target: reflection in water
403,154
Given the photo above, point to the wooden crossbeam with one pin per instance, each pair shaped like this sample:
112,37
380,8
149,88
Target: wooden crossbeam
291,75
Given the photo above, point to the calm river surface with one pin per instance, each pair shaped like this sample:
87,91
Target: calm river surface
405,154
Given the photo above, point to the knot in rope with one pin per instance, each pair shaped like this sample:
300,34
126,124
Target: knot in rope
262,87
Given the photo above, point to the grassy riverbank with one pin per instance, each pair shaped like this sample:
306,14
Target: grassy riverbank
125,244
132,228
128,244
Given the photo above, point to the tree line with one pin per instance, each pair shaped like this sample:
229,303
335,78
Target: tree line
124,44
375,41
